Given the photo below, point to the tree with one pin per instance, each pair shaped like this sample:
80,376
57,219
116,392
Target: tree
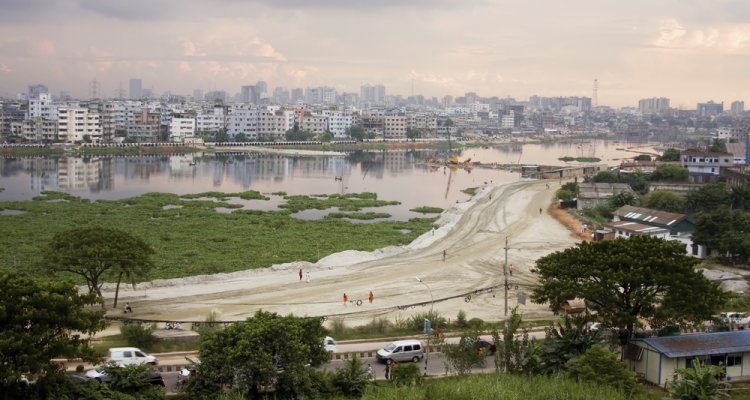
708,197
717,146
40,321
670,173
91,252
637,182
266,351
741,197
724,230
642,157
569,340
133,380
670,155
606,177
351,379
601,366
624,280
664,200
623,199
240,137
513,354
412,133
221,136
462,356
356,132
298,135
698,382
326,136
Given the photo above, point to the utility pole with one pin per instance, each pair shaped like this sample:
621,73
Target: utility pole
505,286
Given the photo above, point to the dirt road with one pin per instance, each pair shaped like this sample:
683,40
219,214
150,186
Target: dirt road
471,235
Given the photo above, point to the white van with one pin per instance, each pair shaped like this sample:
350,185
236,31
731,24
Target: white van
129,355
401,350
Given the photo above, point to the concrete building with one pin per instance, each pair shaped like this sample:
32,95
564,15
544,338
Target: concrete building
710,108
314,123
705,166
242,119
338,123
143,132
372,94
136,88
182,128
212,120
39,130
654,105
41,107
591,194
78,125
35,90
738,107
394,126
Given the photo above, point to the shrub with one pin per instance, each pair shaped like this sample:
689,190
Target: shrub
476,323
138,335
461,321
406,375
338,326
378,325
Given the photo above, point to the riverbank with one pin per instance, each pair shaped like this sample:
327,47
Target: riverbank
459,265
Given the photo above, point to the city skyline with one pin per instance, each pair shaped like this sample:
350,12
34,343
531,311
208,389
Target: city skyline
689,51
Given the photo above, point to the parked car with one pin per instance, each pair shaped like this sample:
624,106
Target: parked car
485,347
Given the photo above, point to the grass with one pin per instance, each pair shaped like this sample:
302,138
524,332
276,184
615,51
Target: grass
495,386
361,216
470,191
344,202
196,239
427,210
579,159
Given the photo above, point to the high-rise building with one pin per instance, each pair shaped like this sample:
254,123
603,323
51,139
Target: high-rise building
710,108
372,94
197,95
36,90
738,107
653,105
280,96
298,94
136,87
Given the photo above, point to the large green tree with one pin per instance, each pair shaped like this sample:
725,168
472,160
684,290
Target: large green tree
726,231
93,252
741,197
670,173
708,197
625,280
670,155
40,321
266,351
664,200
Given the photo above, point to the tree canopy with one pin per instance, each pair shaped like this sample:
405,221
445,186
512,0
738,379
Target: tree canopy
708,197
670,155
670,173
664,200
627,279
726,231
266,351
92,252
40,321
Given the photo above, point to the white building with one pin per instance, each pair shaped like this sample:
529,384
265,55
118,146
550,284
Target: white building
78,125
211,121
705,166
41,107
181,127
339,123
242,119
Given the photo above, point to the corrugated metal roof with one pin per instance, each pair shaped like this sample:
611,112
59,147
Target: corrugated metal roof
701,344
635,227
649,216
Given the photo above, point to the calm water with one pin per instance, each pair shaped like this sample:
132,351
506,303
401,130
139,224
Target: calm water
393,175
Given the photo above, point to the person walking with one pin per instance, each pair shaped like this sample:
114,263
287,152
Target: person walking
371,297
540,210
444,254
307,276
370,373
300,274
510,269
346,299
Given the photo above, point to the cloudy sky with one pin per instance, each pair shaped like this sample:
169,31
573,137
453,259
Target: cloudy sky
687,50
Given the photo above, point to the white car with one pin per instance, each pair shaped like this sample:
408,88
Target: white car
330,344
98,375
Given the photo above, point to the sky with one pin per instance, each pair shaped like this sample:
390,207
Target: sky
687,50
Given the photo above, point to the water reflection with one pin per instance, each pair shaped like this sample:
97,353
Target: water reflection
400,175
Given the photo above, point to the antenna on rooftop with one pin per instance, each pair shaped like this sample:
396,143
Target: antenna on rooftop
595,97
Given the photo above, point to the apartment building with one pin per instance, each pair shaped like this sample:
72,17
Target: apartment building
394,126
39,130
78,125
242,119
705,166
182,127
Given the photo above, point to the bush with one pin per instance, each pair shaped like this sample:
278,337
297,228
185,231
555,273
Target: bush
476,323
416,321
406,375
378,325
138,335
601,366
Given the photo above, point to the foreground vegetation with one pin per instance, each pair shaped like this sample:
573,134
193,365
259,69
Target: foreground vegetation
190,237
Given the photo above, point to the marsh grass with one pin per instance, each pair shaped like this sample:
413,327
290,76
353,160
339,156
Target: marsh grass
500,387
194,238
427,210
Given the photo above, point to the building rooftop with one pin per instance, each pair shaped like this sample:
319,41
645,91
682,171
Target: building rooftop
649,216
701,344
635,227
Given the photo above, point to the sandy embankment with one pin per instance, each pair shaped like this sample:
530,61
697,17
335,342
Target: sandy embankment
471,233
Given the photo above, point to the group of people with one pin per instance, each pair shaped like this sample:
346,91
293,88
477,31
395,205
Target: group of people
306,275
370,297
